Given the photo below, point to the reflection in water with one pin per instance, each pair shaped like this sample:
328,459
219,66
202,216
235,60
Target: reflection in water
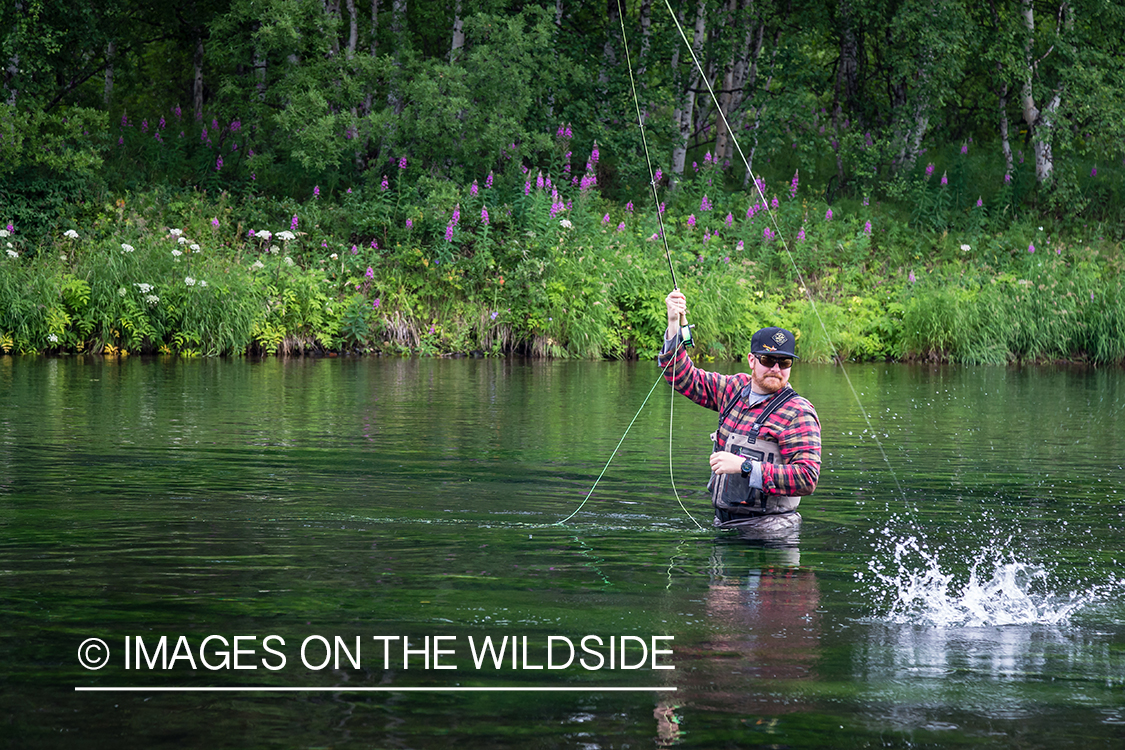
992,672
762,608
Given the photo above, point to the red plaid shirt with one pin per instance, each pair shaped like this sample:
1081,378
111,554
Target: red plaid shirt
794,426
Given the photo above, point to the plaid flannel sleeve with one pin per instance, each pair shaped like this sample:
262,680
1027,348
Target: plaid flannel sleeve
798,431
704,388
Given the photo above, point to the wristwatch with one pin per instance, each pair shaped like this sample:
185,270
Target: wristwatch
747,467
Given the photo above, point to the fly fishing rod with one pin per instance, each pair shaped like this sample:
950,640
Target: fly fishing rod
685,328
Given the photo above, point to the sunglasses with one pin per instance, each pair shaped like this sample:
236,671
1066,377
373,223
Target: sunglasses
767,361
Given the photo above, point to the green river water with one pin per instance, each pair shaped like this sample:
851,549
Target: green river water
956,582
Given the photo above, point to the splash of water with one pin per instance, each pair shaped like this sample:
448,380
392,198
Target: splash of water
997,589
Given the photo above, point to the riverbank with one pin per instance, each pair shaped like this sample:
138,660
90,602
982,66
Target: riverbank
549,273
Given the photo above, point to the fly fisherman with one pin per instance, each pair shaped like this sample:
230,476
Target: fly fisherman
766,451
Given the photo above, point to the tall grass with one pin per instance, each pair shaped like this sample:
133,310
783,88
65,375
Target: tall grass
437,268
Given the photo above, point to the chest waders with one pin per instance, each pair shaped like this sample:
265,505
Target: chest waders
731,494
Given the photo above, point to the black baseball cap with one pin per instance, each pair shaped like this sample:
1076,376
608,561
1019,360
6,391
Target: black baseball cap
773,342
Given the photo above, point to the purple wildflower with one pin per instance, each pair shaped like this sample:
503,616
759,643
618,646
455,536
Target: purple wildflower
828,215
980,203
964,149
944,179
527,187
767,234
605,219
740,246
370,273
355,250
374,245
402,163
629,207
484,215
911,278
473,190
384,185
691,221
793,185
705,204
729,221
1007,177
214,223
867,227
621,227
774,203
494,315
375,303
316,191
219,164
929,170
456,215
144,126
293,224
488,181
1094,171
801,234
539,181
449,233
657,176
1031,247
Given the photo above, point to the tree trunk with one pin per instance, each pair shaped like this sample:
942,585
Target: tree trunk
645,21
458,34
684,115
609,51
746,75
353,29
726,92
398,32
1040,122
1005,142
107,95
197,78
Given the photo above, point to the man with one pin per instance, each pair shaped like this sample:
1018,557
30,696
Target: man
766,451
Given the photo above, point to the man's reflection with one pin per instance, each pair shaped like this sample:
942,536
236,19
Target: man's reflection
761,609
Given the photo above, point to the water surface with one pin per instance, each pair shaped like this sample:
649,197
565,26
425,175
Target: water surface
955,584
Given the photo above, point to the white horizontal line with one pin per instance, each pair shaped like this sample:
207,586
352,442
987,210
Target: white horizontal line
381,689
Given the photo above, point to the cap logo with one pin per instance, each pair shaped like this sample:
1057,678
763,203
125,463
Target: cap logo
769,348
779,337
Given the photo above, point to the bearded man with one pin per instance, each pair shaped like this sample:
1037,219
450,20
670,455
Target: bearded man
766,450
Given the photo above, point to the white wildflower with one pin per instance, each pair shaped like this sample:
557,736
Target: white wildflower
62,256
257,264
274,249
966,248
189,281
122,291
52,338
194,248
175,232
286,235
70,234
144,288
182,240
4,233
203,283
264,236
333,256
125,248
152,299
288,261
177,253
565,223
12,253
